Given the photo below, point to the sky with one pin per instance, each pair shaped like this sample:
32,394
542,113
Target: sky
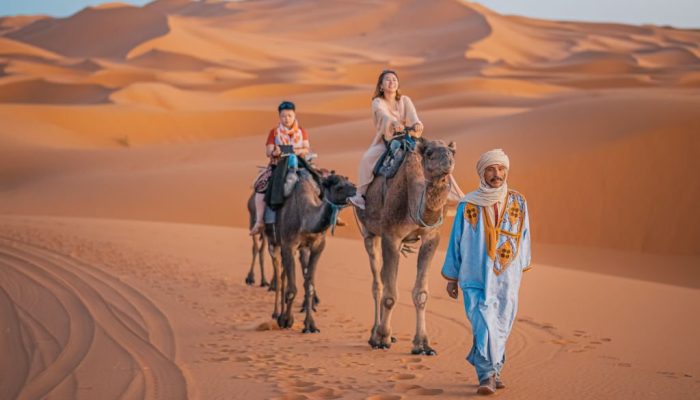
678,13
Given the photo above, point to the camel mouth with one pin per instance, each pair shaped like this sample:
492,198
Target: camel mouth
446,170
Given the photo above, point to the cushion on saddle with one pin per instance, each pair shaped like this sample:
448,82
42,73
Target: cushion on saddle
394,155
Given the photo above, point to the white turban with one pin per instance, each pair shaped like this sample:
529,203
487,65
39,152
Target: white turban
487,196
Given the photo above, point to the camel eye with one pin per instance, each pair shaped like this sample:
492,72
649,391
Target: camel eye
429,153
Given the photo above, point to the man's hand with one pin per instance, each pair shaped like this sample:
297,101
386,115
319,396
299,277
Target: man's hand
397,127
277,151
452,289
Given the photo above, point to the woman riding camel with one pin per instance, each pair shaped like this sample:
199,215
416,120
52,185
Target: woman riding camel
392,112
287,133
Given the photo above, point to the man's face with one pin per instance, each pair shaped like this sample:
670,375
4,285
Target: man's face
495,175
287,118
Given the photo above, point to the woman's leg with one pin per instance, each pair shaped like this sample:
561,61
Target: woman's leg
365,173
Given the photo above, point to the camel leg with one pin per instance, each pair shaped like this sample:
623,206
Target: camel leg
261,258
274,251
304,255
277,271
286,318
372,248
310,286
257,246
389,272
421,344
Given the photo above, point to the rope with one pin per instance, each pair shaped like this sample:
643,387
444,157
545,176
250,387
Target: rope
334,213
420,210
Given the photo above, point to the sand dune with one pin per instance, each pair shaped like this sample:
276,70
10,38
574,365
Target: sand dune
39,91
15,48
128,115
94,32
174,304
12,23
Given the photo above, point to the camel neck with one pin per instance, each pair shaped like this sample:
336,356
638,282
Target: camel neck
434,199
322,217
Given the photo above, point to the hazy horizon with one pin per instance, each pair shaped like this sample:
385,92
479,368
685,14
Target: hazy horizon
677,13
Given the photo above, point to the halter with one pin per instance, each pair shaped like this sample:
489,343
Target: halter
335,209
421,207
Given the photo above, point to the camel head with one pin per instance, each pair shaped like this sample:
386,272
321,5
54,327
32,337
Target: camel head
438,158
338,188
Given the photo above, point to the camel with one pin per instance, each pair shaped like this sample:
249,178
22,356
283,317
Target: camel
400,211
259,242
301,227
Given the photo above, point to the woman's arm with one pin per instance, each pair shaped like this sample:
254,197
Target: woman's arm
383,121
412,117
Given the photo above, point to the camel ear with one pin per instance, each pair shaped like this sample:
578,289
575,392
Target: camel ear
330,181
453,147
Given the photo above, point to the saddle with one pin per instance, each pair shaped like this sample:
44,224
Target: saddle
393,157
284,177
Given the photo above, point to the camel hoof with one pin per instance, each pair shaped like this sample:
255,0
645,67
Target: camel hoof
311,330
250,280
424,352
285,322
378,345
264,284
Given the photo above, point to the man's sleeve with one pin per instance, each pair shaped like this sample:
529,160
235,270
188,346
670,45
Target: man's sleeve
271,137
525,241
453,257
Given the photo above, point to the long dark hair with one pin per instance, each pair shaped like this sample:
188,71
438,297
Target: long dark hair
378,92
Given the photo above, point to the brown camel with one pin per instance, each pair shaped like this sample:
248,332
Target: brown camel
259,242
301,226
399,211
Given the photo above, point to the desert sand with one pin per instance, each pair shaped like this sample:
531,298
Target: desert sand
126,160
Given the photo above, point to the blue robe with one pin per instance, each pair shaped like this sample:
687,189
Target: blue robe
488,263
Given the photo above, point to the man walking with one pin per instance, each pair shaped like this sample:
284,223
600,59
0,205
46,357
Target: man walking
489,249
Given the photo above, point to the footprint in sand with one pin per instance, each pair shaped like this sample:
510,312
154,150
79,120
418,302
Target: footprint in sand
667,374
561,342
416,390
291,397
624,364
219,359
327,394
402,377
